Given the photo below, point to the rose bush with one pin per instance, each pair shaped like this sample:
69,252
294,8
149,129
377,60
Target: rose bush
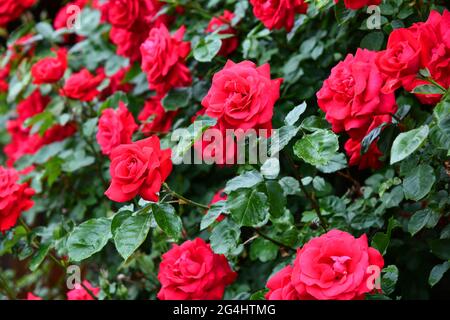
178,149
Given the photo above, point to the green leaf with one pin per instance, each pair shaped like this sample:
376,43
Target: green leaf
293,116
168,220
281,137
118,219
177,98
418,182
259,295
131,233
214,211
248,179
408,142
336,163
277,200
437,273
207,48
371,137
381,240
373,41
389,279
39,257
441,248
88,238
427,89
248,208
263,250
45,29
270,168
225,237
314,123
422,218
317,148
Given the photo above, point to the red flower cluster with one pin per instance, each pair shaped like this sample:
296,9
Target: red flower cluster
138,168
223,25
115,127
278,14
10,10
22,141
131,22
353,102
163,59
154,118
334,266
192,271
14,198
50,69
423,45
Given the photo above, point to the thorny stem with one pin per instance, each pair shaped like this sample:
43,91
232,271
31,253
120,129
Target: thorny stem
310,197
183,199
55,259
278,243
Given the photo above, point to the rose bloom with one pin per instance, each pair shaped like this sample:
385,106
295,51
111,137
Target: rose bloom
223,23
352,95
128,43
122,13
82,86
242,95
334,266
14,198
192,271
62,17
10,10
276,14
154,118
434,37
400,62
138,168
280,286
115,127
50,69
79,293
358,4
163,59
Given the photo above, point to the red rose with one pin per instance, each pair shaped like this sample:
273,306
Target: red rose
163,59
358,4
50,69
10,10
82,86
80,293
434,37
224,24
128,43
352,95
400,62
192,271
242,96
115,127
280,286
276,14
154,118
219,196
353,146
14,198
122,13
335,266
138,168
